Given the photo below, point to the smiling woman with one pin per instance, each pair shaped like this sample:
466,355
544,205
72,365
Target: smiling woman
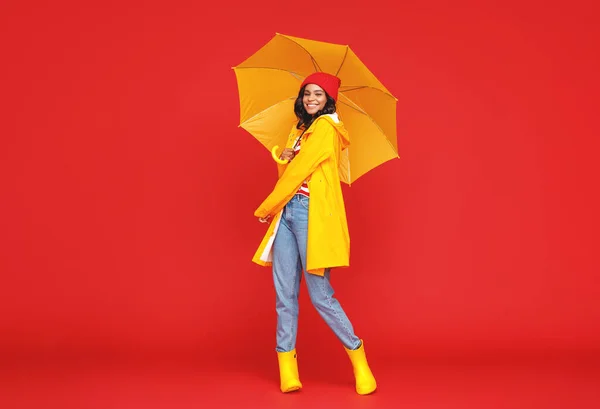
309,231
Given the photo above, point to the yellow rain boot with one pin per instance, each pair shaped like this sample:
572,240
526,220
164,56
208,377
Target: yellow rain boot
288,371
365,381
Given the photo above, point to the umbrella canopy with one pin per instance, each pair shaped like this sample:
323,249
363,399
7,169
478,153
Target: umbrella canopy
268,85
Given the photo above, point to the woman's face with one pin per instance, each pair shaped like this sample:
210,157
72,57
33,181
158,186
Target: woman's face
314,98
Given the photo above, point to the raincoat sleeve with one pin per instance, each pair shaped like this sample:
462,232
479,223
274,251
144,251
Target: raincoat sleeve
291,138
281,169
316,148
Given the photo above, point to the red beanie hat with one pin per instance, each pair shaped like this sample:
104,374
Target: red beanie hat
330,83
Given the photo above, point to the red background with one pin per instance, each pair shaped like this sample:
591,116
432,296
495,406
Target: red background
127,189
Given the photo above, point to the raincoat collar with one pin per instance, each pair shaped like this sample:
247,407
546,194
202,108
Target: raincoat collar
334,120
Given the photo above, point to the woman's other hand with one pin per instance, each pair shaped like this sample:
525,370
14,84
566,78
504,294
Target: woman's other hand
265,219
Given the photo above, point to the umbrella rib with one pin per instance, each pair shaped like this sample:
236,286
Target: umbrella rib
357,87
354,106
266,109
315,64
343,61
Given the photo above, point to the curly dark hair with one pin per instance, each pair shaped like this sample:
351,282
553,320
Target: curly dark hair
304,118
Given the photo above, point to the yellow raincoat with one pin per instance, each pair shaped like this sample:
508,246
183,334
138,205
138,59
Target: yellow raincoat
328,239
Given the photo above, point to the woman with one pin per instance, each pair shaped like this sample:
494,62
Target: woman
308,230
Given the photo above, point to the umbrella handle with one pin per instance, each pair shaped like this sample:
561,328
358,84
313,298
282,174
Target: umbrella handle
276,156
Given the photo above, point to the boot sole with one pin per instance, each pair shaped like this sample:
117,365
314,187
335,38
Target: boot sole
292,389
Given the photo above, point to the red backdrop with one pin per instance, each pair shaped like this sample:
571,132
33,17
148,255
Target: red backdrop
128,191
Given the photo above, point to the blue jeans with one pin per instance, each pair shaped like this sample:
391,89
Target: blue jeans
289,260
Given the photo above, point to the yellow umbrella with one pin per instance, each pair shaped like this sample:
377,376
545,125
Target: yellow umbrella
268,85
